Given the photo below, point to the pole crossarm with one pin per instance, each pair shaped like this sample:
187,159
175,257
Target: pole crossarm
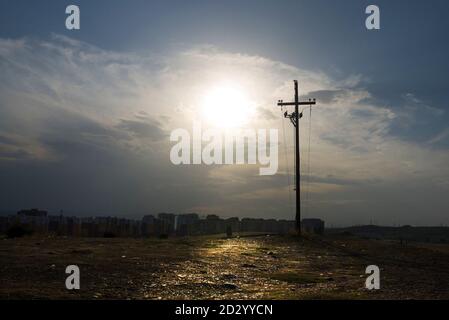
294,118
300,103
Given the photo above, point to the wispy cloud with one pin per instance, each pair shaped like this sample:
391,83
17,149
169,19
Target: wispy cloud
70,110
444,134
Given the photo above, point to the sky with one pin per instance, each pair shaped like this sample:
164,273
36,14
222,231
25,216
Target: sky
86,115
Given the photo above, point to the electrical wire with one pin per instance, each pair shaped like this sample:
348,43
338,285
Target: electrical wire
308,164
286,160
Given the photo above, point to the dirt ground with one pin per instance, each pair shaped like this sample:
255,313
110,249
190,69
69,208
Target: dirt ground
214,267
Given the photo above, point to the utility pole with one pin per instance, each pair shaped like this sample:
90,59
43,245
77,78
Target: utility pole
294,118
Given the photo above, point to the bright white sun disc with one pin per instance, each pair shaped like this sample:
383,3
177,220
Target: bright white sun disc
226,107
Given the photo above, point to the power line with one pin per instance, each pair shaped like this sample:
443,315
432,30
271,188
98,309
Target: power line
308,165
286,162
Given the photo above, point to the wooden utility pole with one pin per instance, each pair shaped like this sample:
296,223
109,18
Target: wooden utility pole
294,118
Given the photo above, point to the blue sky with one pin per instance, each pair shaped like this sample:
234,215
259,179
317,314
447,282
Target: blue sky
408,55
392,86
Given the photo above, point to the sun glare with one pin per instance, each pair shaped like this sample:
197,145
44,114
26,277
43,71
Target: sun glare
226,107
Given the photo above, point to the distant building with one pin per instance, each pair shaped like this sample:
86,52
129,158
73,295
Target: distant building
149,218
166,223
187,224
246,224
136,228
34,219
286,226
89,228
214,224
270,225
252,225
4,224
148,225
312,226
232,223
32,213
187,218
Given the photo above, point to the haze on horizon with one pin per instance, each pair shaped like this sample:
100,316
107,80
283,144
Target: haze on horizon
85,116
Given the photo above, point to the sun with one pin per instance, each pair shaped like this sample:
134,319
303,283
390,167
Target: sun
226,107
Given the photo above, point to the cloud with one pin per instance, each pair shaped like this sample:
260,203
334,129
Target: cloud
328,96
440,136
417,104
143,129
79,122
